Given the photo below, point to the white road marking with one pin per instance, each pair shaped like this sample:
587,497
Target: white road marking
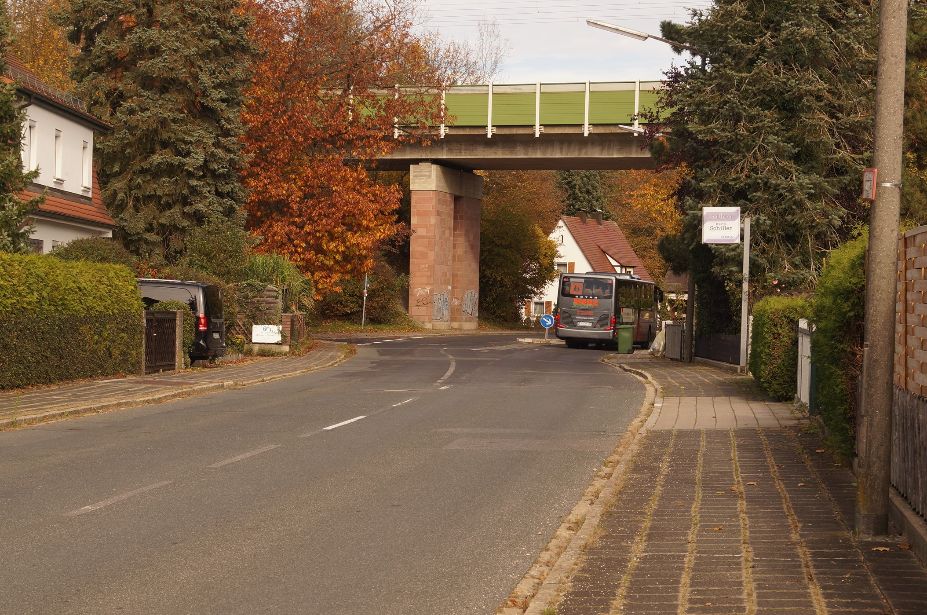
404,402
236,458
343,423
450,370
417,338
116,498
445,387
396,390
376,342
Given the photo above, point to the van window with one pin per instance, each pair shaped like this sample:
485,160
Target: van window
213,301
157,294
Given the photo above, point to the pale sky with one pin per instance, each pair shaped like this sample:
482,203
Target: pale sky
548,40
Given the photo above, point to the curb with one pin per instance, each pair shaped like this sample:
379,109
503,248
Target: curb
542,584
192,391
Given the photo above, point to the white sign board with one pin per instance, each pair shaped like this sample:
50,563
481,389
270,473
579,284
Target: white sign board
266,334
721,225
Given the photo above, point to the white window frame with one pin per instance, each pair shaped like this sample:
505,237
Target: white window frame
563,267
535,310
59,157
86,167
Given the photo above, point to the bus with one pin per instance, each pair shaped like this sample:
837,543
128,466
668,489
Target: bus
591,307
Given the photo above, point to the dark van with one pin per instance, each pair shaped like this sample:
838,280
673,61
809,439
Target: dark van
205,301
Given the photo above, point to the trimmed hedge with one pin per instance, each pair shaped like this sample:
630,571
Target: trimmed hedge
836,345
61,320
774,344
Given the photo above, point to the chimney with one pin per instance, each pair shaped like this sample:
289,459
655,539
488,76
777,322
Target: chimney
582,217
597,216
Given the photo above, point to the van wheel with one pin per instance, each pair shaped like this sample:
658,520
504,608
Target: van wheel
574,344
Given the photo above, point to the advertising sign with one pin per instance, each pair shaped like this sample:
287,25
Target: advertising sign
266,334
721,225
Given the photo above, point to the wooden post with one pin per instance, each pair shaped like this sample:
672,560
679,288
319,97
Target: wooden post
179,350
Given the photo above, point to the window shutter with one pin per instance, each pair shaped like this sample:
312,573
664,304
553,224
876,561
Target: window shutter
528,309
571,267
547,306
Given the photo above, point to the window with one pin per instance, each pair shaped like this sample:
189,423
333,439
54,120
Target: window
37,246
86,166
31,149
537,308
59,154
562,267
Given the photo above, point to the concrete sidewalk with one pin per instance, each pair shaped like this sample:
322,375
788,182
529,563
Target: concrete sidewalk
47,403
727,504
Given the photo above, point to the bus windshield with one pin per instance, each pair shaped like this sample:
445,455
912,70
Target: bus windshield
583,287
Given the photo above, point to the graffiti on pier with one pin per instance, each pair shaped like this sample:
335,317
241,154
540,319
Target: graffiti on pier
422,296
440,307
471,303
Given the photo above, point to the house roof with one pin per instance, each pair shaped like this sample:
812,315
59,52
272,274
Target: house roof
60,204
601,239
30,83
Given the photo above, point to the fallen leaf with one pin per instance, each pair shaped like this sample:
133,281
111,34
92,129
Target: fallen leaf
718,529
819,450
751,483
881,549
801,484
905,545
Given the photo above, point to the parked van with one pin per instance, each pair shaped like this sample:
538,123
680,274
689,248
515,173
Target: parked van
205,301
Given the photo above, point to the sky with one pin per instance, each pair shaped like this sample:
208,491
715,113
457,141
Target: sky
549,41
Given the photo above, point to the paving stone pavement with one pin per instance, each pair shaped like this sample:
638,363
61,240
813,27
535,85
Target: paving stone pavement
730,505
24,406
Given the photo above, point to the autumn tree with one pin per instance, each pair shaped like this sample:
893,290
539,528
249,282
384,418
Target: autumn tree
643,203
320,105
168,76
39,42
520,208
14,210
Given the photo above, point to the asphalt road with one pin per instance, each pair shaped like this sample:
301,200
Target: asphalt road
423,476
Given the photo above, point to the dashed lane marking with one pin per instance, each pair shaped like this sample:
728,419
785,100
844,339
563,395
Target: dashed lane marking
343,423
116,498
402,403
243,456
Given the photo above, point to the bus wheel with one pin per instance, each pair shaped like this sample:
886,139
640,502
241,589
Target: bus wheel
574,344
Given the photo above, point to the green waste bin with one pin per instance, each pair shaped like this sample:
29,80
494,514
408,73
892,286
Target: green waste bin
624,337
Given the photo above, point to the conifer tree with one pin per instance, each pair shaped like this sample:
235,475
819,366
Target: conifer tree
584,192
168,77
14,210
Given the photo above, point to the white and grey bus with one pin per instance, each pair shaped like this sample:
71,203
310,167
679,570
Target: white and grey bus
596,307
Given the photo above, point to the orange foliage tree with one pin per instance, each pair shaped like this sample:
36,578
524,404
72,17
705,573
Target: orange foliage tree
39,42
321,103
643,204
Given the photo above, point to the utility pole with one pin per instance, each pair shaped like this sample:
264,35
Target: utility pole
745,302
875,420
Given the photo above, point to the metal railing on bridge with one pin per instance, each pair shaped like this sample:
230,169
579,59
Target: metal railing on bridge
537,105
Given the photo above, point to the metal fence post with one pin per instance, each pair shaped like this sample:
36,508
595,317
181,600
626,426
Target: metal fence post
179,350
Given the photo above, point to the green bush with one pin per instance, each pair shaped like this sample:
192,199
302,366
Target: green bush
189,322
384,298
836,345
276,270
774,344
61,320
96,250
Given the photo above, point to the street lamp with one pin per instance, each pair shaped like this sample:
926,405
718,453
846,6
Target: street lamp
690,291
641,36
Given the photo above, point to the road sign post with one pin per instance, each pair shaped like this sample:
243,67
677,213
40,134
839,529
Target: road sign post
547,321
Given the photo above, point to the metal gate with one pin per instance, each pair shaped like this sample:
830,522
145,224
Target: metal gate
160,341
675,334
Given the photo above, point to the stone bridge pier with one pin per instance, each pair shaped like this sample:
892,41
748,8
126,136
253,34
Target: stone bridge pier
444,266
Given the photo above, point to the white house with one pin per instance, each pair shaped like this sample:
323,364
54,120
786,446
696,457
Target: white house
586,244
58,141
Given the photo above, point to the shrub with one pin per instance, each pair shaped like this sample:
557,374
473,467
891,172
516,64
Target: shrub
836,345
276,270
774,344
189,322
96,250
219,247
384,298
61,320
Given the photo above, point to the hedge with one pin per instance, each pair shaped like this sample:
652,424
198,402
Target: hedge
61,320
838,314
774,344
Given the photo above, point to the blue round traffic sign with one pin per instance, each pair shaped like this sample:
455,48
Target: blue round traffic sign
547,321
